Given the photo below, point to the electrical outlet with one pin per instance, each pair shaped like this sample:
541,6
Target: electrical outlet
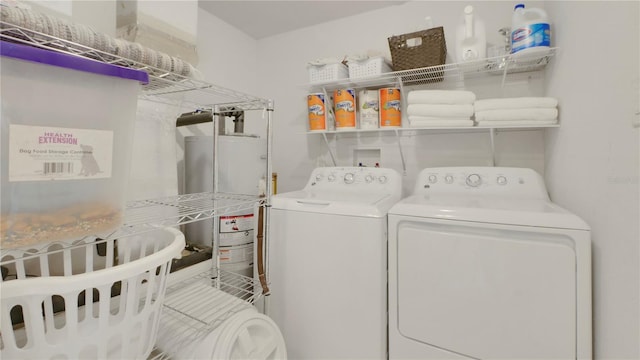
366,157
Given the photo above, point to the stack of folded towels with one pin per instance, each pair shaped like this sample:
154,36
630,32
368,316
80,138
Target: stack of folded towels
440,108
520,111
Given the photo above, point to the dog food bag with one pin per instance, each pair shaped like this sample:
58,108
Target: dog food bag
66,137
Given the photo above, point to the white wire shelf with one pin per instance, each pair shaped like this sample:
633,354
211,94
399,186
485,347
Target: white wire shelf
434,128
499,65
183,209
185,323
162,83
204,300
147,215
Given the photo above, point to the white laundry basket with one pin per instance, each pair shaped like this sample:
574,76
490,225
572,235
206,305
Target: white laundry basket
122,282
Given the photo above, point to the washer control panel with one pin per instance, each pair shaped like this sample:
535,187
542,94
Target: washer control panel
481,180
365,178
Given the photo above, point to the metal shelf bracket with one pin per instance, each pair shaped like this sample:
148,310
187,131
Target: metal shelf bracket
492,134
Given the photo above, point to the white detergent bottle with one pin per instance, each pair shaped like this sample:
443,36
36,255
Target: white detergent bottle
530,31
471,38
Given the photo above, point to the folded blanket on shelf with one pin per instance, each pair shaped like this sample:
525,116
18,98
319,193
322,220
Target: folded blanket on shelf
441,97
441,110
489,123
515,103
85,35
440,123
531,114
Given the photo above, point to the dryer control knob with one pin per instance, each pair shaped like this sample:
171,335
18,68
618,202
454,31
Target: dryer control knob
349,178
319,177
501,180
433,179
448,179
382,179
331,177
368,178
474,180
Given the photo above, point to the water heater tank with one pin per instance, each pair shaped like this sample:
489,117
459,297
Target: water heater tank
241,167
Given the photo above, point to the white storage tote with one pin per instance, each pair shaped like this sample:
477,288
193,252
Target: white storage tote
368,67
327,72
95,300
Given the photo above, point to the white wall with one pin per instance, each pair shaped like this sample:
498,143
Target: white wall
591,163
60,8
283,75
228,58
592,160
177,17
99,14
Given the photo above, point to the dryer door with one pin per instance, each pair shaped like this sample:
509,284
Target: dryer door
487,291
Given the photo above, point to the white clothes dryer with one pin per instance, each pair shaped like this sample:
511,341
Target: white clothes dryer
482,265
328,263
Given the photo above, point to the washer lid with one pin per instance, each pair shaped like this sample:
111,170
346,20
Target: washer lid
336,202
489,209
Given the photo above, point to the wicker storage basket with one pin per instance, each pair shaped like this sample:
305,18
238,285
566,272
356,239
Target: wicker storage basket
419,49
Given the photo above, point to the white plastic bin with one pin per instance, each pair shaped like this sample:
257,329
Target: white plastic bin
368,67
327,72
104,304
67,129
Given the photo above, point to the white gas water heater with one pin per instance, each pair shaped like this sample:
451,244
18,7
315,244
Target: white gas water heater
241,168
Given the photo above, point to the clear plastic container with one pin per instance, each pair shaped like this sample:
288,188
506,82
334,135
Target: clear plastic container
67,129
530,30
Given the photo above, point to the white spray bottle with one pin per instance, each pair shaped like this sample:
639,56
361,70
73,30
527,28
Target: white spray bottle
471,40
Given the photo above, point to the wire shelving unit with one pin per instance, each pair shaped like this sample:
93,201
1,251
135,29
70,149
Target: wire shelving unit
225,292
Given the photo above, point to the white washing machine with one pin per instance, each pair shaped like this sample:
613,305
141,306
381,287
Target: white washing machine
328,263
482,265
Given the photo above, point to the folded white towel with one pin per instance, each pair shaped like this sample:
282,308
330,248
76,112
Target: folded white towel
440,123
441,97
441,110
515,103
489,123
518,114
436,118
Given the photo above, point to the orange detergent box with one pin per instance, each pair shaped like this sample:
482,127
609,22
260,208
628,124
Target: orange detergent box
345,108
316,106
390,114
